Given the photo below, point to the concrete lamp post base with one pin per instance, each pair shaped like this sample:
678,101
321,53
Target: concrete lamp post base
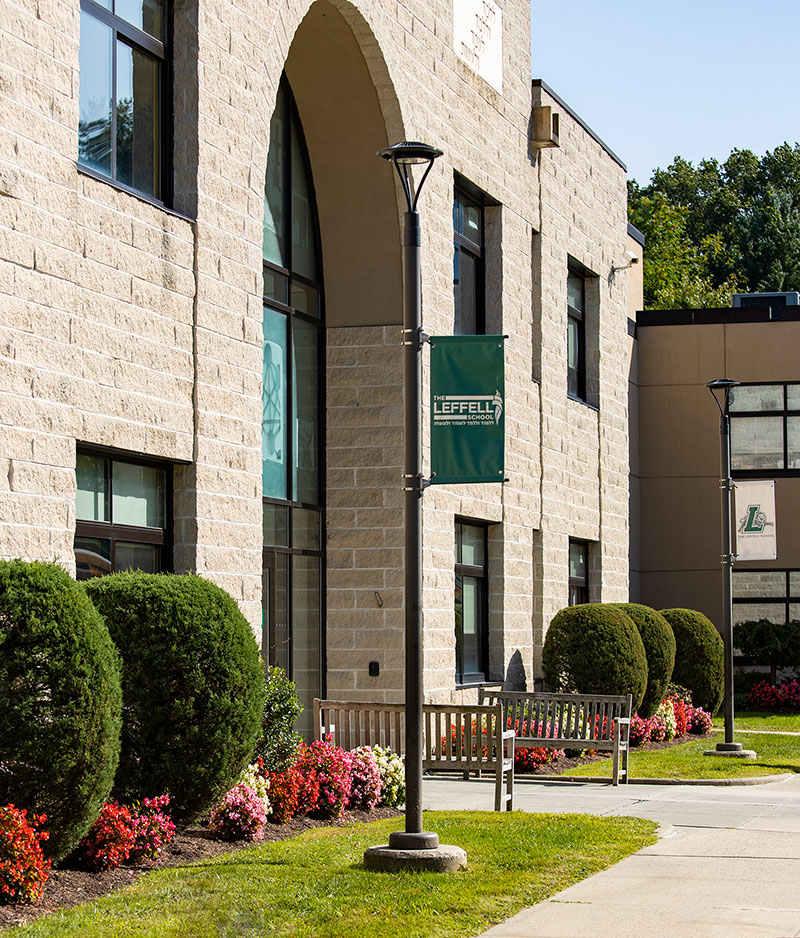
731,750
415,851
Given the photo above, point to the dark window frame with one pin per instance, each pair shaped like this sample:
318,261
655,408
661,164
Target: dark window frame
129,533
784,413
576,378
578,586
159,50
481,573
281,303
464,245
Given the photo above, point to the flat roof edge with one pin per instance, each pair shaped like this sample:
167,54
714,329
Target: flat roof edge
716,316
539,83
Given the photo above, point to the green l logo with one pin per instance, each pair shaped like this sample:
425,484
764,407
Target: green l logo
754,522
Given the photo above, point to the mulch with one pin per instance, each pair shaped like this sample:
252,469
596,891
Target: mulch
68,887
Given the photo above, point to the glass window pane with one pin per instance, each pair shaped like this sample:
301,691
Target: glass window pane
91,501
470,625
577,561
305,391
794,612
793,396
274,246
139,495
473,223
92,557
306,636
575,291
276,286
794,583
130,556
756,397
752,612
759,583
574,327
466,294
276,525
757,443
472,545
147,15
793,442
304,259
137,119
273,409
281,629
305,529
305,298
94,124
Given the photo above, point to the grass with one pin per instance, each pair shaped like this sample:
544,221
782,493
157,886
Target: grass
774,755
315,885
756,720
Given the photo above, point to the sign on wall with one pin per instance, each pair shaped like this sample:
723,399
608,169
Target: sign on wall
478,38
754,515
467,409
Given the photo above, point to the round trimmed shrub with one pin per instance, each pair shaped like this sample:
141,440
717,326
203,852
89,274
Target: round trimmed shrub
192,687
59,701
595,648
659,649
699,657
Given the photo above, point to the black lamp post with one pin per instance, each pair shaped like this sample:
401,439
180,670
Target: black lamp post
721,390
404,156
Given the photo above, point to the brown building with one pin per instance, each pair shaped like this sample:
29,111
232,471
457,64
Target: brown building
676,526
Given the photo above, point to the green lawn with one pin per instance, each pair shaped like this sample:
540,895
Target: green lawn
315,885
755,720
774,755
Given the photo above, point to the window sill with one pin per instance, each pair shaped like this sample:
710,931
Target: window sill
467,685
580,400
121,187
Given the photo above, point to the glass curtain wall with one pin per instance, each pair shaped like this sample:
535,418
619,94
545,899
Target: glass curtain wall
292,431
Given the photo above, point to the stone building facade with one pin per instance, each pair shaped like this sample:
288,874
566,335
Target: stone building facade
138,255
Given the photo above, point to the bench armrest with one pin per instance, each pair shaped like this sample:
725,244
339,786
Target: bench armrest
509,734
623,720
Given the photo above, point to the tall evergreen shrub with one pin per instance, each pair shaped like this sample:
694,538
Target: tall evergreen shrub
659,648
192,687
699,657
59,702
595,648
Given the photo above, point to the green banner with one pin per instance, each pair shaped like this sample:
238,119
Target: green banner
467,409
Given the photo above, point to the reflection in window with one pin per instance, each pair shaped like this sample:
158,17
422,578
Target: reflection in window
471,604
766,594
765,427
578,572
121,510
468,265
122,64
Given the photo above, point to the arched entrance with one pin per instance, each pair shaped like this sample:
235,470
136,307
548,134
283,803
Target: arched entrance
332,280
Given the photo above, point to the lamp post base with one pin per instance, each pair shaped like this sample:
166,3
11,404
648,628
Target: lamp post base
733,750
439,859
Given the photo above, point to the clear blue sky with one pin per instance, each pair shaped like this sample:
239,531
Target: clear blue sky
659,78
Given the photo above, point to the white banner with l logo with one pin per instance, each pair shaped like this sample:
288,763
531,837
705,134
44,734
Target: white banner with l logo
754,518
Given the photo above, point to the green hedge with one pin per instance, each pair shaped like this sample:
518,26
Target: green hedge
60,701
192,687
280,741
659,648
595,648
699,657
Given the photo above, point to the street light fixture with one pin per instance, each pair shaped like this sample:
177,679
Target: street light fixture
413,847
721,391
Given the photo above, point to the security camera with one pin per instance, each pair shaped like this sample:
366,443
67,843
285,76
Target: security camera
631,258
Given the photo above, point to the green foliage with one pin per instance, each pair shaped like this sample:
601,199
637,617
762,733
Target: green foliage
769,643
659,648
192,685
60,701
718,228
595,648
279,743
699,657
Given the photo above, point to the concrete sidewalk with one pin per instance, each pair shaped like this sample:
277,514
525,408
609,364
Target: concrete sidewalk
727,865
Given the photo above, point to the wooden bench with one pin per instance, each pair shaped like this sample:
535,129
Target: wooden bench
568,721
456,738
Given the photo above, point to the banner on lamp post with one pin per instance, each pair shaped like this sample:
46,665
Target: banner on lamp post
467,409
754,511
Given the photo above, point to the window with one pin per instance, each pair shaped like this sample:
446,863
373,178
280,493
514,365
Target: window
471,603
122,509
766,594
578,572
468,265
576,335
292,433
122,82
765,427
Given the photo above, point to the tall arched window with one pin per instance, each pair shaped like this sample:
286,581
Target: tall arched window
292,422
